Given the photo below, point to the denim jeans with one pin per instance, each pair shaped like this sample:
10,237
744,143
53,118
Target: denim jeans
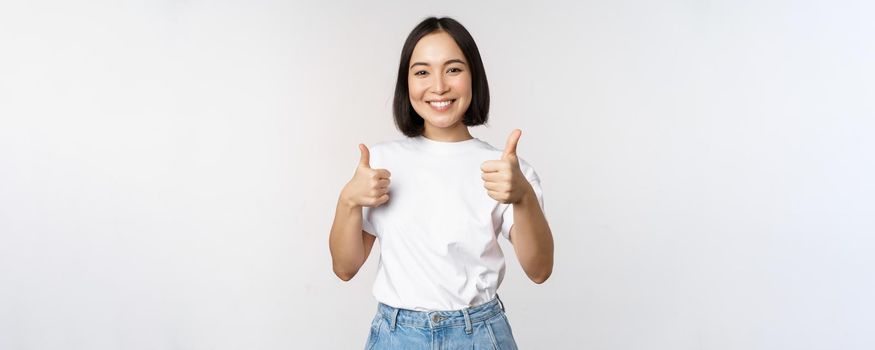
481,327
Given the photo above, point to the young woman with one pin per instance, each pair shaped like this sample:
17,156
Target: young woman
439,217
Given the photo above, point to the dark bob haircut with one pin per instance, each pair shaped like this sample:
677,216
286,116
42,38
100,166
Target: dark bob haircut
406,118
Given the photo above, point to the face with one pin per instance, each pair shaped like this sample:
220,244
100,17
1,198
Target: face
439,81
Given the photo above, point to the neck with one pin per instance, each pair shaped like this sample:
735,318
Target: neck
455,133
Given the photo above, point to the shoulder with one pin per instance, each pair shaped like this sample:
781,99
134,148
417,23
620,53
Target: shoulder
390,145
387,151
525,166
492,151
528,170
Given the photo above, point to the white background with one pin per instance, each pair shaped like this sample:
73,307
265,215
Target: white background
169,169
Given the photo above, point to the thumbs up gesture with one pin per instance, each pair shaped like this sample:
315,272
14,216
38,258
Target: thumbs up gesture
368,187
503,179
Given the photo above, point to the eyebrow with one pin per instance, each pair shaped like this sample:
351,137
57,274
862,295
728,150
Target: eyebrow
454,60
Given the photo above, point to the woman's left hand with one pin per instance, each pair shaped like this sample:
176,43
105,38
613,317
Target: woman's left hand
503,179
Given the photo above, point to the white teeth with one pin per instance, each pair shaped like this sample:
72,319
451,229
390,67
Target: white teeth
440,104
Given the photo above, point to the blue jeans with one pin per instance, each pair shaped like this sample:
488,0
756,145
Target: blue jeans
481,327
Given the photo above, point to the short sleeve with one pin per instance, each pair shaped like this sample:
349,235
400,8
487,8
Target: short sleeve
535,181
376,161
366,221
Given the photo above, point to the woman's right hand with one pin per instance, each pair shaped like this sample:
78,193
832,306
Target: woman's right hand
368,187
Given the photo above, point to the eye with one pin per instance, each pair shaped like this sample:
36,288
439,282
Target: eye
453,70
422,72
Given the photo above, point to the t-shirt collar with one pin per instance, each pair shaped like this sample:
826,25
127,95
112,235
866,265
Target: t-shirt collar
445,147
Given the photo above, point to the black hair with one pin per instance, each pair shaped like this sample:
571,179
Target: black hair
406,118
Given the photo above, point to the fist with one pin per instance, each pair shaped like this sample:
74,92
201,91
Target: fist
503,179
368,187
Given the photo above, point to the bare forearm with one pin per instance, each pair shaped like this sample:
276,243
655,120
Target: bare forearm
345,240
532,238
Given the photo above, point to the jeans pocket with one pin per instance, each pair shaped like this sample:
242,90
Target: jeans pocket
492,336
374,333
499,330
507,323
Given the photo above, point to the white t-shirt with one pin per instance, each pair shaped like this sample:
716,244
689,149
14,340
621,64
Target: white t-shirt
438,231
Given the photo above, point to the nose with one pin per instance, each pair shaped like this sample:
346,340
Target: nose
439,86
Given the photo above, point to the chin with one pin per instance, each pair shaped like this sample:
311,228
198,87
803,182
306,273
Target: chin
443,122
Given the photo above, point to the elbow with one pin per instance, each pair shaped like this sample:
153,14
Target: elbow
542,277
345,269
540,280
345,273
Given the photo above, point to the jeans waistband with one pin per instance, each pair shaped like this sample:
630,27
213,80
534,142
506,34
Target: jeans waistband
436,319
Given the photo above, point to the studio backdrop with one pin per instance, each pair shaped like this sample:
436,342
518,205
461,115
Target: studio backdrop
169,169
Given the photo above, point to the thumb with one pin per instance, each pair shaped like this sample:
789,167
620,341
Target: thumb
512,140
365,160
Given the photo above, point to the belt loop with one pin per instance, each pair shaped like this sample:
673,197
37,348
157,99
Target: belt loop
394,319
500,302
468,328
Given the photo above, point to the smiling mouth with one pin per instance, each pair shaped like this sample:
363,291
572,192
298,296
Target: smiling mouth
441,106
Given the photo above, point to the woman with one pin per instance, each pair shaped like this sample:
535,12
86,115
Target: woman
439,217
